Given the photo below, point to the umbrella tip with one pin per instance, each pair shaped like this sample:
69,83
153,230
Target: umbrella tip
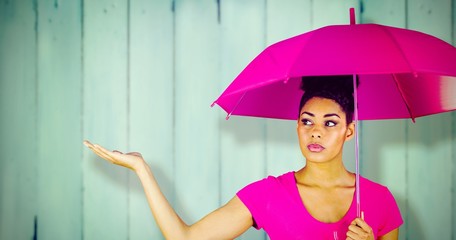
352,16
228,116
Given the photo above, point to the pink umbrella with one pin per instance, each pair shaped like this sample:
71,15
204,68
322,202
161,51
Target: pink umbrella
402,74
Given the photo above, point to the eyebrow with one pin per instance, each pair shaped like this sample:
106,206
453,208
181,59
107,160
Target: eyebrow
326,115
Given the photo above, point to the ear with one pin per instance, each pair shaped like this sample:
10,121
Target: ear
350,133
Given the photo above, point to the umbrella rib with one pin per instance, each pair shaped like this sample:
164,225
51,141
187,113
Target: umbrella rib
403,98
301,51
235,106
386,30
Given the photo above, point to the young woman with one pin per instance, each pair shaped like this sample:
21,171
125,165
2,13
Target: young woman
316,202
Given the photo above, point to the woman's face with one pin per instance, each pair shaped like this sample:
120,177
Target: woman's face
323,130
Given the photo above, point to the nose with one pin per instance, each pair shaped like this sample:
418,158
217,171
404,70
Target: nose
316,133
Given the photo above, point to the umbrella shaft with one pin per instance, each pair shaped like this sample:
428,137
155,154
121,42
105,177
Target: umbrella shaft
355,95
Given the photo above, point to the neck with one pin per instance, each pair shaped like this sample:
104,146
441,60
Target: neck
330,174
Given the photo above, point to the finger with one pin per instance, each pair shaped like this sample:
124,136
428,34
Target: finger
361,223
136,154
108,155
104,150
116,151
87,143
356,230
351,235
103,154
97,149
92,147
357,235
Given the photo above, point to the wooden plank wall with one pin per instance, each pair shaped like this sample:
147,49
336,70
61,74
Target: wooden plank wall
18,121
59,119
140,75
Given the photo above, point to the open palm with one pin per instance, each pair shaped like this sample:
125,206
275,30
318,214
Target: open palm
129,160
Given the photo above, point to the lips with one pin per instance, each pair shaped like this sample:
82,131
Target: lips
315,147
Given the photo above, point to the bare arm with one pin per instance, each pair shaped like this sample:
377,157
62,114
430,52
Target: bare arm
393,235
227,222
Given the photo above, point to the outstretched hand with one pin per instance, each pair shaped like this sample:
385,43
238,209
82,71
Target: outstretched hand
130,160
360,230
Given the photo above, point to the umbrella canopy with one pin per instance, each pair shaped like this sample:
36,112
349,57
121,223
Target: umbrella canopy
402,73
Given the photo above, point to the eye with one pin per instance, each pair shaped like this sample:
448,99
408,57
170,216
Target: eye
306,121
330,124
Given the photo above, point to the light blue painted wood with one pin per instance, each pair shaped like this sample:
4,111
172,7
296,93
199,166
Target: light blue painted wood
213,158
383,144
59,120
196,129
429,178
285,19
18,120
242,139
386,12
424,14
105,187
330,12
151,106
429,143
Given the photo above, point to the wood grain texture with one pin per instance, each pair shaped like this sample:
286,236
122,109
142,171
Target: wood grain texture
59,120
196,130
140,75
105,187
18,130
151,106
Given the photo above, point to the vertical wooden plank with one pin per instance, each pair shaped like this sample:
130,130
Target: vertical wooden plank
429,178
387,12
196,125
383,144
242,138
59,117
330,12
422,14
282,151
18,122
105,187
151,106
429,142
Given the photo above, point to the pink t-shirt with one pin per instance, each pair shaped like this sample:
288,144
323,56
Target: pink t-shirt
276,206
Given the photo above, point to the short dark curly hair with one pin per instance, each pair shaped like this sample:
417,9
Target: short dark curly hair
338,88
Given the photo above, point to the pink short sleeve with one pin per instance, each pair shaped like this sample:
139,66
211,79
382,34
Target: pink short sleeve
392,218
255,197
